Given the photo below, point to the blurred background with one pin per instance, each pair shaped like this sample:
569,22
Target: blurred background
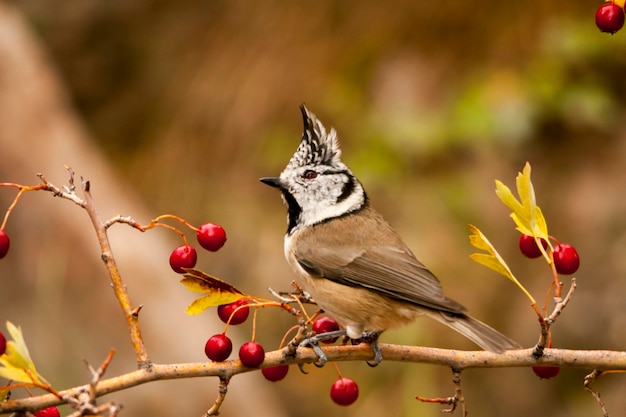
179,107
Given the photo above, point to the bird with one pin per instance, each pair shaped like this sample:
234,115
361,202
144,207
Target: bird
349,258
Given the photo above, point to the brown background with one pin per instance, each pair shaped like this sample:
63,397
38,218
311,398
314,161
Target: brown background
179,107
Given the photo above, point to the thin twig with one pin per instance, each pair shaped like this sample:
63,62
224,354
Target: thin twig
223,390
546,323
453,401
588,380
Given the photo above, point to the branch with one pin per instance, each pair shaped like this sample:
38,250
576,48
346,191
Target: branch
455,359
68,192
130,313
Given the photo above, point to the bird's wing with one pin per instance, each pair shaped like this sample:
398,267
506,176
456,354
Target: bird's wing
390,270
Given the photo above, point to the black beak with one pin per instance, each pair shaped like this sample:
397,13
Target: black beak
272,181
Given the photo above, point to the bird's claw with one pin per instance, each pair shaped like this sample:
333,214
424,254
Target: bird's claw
314,343
367,337
372,339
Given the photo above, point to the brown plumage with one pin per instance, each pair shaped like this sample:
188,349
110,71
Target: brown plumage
353,263
362,274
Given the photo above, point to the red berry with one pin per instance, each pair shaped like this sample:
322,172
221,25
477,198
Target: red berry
218,347
344,391
324,325
566,259
48,412
546,372
609,18
4,244
528,246
275,373
251,354
239,315
3,344
183,257
211,236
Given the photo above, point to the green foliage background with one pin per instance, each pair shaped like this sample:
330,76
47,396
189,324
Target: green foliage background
193,101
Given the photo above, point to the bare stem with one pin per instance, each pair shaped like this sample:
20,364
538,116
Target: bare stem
69,193
547,322
132,319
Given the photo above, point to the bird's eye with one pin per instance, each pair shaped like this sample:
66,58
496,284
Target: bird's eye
309,174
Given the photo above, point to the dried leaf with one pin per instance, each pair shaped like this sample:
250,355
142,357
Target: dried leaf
219,291
198,281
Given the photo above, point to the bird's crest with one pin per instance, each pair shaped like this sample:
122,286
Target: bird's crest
317,147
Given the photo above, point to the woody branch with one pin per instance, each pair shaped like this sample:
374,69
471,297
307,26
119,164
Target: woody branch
455,359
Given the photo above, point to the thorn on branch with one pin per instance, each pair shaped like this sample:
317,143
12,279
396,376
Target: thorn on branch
136,311
72,186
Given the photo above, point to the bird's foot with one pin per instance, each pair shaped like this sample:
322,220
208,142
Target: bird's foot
314,343
372,339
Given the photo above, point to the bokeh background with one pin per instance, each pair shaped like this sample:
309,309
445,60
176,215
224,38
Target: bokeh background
179,107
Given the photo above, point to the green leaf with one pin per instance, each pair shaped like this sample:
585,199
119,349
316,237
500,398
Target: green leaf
492,258
219,291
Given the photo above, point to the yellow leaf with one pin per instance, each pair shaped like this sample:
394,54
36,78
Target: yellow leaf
212,300
12,373
16,363
492,258
525,188
219,291
527,216
4,392
506,196
491,262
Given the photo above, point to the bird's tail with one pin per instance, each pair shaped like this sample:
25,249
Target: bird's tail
476,331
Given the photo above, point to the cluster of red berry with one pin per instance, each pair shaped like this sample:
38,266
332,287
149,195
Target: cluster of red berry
218,348
610,17
344,391
566,261
210,236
